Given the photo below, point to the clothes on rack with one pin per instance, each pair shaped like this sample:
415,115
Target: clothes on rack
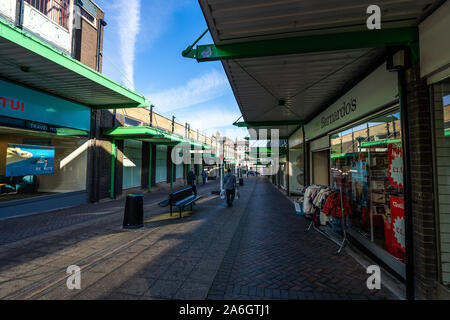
308,199
333,205
322,204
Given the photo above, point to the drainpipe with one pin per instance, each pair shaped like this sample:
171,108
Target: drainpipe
112,191
150,168
19,13
151,116
101,23
173,124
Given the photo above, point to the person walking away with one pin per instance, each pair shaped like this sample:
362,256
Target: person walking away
204,176
191,180
229,184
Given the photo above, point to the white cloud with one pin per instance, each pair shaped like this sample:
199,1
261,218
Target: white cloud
129,28
207,87
215,119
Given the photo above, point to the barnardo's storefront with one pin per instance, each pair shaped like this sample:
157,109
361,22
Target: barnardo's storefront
355,146
43,151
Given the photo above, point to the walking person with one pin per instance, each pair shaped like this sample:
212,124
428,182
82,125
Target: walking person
204,176
229,184
191,180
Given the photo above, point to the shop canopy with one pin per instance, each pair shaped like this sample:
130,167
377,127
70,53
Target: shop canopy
29,61
287,61
147,134
265,150
150,134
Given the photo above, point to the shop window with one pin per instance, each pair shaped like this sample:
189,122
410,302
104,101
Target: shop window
282,175
367,163
161,163
36,164
132,164
179,171
440,103
297,167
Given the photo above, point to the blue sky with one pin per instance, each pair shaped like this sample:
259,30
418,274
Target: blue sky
142,47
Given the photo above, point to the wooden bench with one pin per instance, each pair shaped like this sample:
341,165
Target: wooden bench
181,199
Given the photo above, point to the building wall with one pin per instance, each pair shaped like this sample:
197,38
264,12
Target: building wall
86,42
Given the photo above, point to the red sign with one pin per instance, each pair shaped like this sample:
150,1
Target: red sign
395,229
15,105
395,165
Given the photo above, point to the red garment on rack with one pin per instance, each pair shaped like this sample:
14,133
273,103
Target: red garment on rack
333,205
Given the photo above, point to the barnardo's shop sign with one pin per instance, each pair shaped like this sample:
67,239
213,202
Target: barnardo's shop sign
378,89
28,104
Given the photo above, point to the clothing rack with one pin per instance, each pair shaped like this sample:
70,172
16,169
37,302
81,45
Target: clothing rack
344,241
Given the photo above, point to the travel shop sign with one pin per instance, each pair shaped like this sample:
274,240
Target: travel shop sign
376,90
28,104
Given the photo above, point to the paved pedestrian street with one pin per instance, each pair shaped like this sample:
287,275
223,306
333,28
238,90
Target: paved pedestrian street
257,249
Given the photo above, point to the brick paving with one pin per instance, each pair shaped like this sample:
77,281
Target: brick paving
255,250
18,228
271,257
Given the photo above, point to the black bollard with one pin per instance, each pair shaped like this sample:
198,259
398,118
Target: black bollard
134,212
241,181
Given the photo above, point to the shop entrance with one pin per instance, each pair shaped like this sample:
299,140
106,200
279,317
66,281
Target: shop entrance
321,167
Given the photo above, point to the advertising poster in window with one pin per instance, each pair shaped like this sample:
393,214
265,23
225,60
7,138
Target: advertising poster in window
23,160
398,247
395,165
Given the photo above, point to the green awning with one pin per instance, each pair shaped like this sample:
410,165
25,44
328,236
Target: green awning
149,134
143,133
344,155
198,144
27,60
267,151
379,142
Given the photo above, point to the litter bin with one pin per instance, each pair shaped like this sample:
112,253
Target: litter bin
134,212
241,181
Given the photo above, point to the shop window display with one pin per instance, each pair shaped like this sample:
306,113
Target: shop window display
297,176
36,164
367,163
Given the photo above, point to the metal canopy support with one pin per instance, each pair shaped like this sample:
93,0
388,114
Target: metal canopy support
171,177
150,169
308,44
112,192
253,124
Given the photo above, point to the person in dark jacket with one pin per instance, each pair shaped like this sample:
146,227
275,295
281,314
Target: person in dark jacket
229,184
191,180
